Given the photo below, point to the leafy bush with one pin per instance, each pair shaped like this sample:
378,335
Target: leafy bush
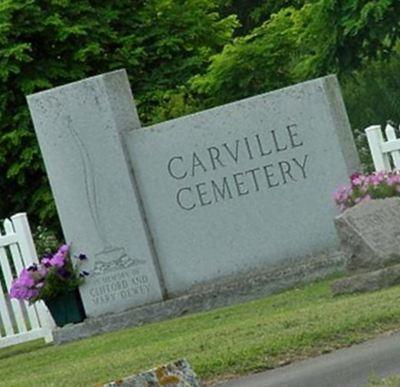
255,63
372,94
297,44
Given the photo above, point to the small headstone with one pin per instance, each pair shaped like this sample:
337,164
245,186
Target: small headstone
370,234
178,374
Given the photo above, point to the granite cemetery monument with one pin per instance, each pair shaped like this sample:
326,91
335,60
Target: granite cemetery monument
191,201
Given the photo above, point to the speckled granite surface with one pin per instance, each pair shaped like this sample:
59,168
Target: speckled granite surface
177,374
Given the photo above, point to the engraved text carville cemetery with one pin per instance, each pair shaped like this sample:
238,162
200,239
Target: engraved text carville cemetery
243,182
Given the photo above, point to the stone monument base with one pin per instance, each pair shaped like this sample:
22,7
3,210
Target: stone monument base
368,282
226,292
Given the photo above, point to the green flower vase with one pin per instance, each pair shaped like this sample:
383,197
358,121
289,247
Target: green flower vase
66,308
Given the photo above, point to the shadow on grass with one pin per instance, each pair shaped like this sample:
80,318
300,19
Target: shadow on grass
23,348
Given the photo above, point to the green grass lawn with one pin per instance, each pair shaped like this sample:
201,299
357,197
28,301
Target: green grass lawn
391,381
230,341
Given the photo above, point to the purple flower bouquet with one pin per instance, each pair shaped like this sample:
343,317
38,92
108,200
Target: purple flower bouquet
53,276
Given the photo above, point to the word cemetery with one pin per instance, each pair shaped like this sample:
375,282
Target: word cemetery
241,183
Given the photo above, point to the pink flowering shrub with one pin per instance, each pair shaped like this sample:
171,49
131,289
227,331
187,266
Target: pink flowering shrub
54,275
378,185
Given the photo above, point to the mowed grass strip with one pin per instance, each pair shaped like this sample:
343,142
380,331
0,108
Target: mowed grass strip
240,339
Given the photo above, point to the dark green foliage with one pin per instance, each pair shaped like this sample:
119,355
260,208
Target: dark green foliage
45,43
372,95
253,13
265,9
243,10
296,44
255,63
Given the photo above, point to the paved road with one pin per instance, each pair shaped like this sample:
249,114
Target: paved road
349,367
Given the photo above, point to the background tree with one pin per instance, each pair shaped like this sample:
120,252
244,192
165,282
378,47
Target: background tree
183,56
252,13
296,44
45,43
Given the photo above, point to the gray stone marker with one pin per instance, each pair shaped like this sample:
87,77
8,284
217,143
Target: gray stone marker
370,233
79,127
177,374
244,185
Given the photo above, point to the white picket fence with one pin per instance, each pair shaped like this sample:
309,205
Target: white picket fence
384,152
20,321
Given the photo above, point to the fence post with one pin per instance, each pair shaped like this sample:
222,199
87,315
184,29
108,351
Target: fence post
25,239
391,136
28,252
375,141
